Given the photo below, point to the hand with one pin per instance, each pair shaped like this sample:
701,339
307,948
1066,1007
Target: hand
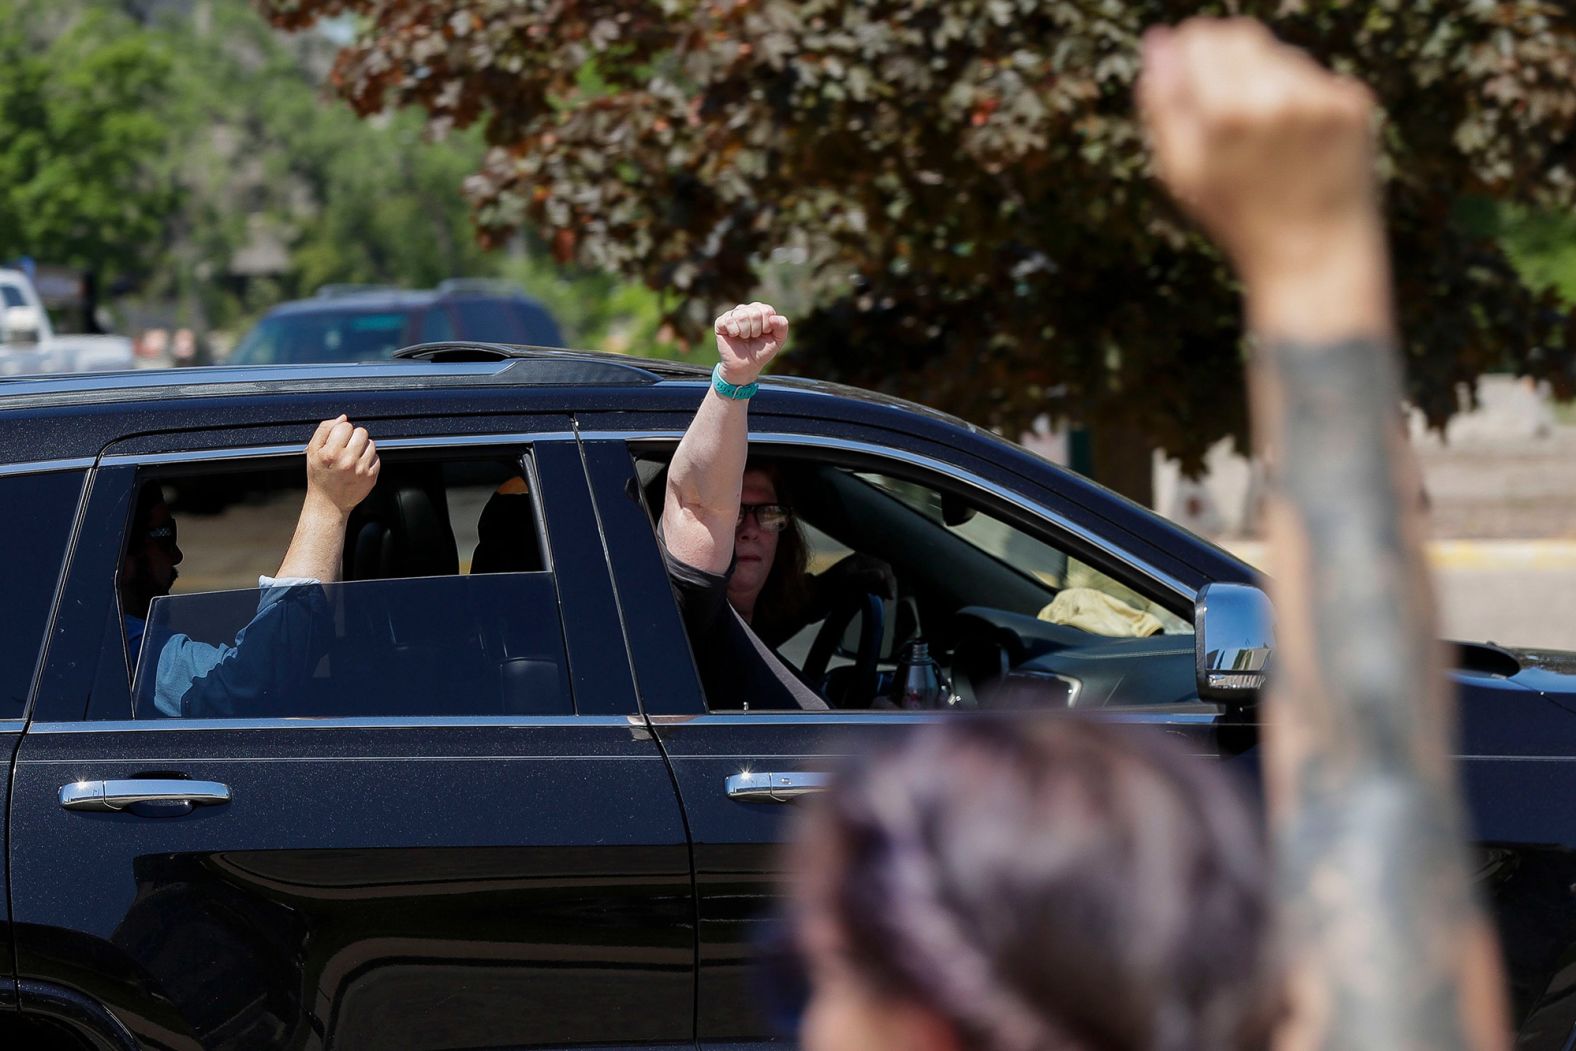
341,464
1271,153
749,336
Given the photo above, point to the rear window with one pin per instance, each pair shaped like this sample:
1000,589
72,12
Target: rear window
447,606
324,336
505,321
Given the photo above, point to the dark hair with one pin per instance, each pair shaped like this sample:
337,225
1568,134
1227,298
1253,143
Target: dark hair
1058,886
786,591
150,496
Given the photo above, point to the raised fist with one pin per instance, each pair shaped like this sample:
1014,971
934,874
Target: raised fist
749,336
1272,154
341,463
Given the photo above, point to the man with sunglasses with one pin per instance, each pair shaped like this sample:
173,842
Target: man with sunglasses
193,679
722,526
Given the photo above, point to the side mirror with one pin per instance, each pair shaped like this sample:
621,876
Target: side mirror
1234,636
19,325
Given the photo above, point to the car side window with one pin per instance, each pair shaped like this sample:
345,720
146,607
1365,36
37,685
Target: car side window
893,559
436,325
1104,605
447,605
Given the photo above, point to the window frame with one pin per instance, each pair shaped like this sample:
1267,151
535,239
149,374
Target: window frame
1011,507
109,496
681,695
51,578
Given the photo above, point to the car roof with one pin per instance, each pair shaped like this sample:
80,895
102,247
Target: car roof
359,301
450,364
512,365
342,299
444,380
72,417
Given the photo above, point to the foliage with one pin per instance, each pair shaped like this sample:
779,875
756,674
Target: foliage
266,164
1543,246
596,310
188,151
79,134
968,179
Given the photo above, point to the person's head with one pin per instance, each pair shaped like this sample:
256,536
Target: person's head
767,545
991,886
152,554
183,347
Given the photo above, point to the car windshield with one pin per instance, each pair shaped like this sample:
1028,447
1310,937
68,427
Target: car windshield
1024,553
323,335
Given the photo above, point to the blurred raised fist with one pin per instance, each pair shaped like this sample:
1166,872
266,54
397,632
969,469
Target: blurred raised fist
1272,154
341,463
749,336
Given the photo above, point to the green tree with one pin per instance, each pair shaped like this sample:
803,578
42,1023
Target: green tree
282,189
80,137
968,182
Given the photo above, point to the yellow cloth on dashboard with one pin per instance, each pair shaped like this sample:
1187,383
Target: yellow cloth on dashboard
1098,613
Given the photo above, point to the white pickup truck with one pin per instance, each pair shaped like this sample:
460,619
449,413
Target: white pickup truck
28,343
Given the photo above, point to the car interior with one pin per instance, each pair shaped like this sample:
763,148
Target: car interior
1009,615
407,624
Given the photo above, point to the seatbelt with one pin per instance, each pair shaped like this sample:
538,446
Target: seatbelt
803,696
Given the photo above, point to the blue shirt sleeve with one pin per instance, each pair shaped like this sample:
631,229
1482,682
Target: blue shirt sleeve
275,653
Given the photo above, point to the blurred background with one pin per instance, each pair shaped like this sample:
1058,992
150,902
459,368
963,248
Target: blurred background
948,196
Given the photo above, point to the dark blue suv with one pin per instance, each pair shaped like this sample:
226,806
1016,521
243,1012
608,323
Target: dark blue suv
495,808
360,323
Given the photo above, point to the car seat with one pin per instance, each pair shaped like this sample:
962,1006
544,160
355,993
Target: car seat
405,644
402,528
506,540
530,661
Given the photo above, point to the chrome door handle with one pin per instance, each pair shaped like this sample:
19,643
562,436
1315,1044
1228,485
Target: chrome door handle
118,795
775,788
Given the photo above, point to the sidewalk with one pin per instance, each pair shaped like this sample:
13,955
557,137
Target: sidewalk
1502,512
1450,556
1514,592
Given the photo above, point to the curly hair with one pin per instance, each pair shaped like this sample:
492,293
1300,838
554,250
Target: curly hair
1067,886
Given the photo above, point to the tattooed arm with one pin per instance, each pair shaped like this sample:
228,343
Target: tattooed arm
1386,948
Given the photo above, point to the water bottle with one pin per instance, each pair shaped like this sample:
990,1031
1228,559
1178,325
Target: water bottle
917,686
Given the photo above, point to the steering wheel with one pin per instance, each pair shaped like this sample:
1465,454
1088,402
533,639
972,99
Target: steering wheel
861,689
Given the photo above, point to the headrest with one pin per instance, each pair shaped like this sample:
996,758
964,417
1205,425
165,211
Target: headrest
402,528
506,540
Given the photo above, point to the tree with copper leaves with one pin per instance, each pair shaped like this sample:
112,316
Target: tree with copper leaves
967,183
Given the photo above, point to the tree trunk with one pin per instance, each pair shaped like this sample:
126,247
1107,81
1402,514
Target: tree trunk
1123,460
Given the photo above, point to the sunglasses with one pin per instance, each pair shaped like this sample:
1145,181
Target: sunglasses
163,536
771,518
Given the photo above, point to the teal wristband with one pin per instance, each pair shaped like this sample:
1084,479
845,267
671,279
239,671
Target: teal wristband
731,391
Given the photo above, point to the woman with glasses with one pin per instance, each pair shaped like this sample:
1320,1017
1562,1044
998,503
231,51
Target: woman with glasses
727,532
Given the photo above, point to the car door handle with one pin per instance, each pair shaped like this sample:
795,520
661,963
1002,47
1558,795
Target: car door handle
118,795
775,788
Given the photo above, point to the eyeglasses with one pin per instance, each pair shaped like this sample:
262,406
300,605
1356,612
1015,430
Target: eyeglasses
771,518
